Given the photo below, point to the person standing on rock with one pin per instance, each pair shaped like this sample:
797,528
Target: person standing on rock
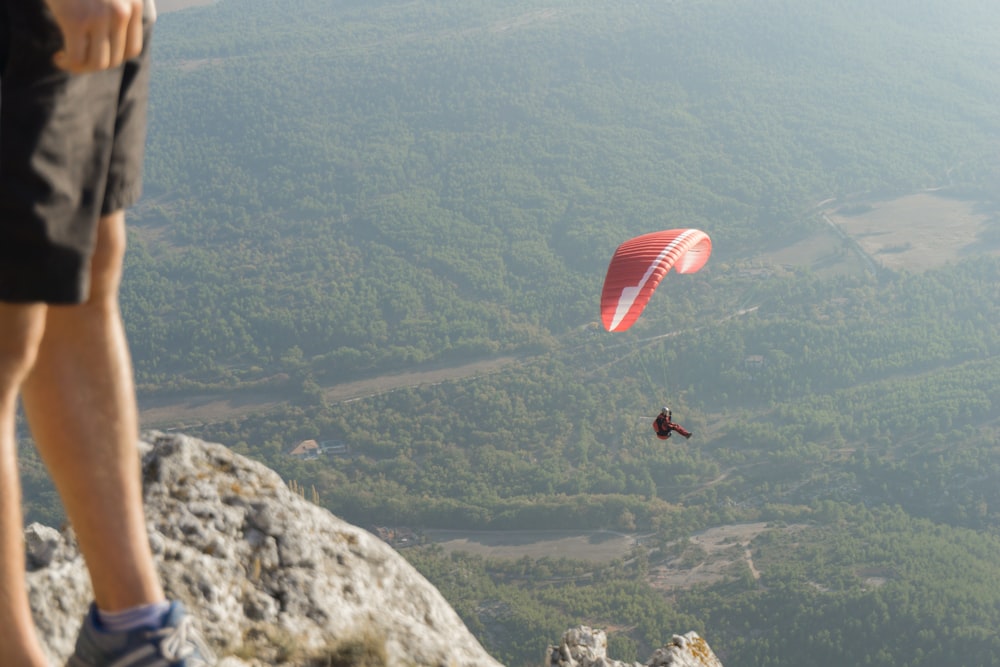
74,78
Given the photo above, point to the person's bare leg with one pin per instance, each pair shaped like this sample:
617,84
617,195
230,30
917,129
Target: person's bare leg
80,403
22,330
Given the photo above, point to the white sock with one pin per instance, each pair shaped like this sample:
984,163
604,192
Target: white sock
143,616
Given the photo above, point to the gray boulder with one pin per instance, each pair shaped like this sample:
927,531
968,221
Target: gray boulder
586,647
273,578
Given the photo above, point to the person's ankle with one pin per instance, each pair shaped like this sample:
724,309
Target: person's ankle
140,616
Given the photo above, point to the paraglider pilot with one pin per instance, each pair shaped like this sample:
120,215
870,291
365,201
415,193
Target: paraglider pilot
663,426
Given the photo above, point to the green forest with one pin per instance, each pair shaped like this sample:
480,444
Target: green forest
349,189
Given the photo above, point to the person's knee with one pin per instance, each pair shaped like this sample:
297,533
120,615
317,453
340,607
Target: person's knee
109,253
23,326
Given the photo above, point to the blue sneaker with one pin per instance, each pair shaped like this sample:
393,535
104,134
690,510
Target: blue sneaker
176,643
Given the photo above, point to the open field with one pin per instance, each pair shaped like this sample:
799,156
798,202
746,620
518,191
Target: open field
719,550
917,232
913,233
599,546
173,412
824,253
709,556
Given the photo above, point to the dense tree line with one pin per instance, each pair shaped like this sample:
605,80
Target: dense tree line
299,189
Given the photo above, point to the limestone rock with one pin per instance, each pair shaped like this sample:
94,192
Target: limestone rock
274,579
586,647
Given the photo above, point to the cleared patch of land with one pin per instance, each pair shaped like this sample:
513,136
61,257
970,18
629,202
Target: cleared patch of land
913,233
714,553
173,412
917,232
824,253
600,546
706,557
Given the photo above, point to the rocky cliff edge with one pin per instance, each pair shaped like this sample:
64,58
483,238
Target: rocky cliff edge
276,580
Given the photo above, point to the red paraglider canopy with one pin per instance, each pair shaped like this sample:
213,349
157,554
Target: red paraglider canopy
639,265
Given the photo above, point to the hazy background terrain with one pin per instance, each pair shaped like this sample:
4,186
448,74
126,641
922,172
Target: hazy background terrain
384,226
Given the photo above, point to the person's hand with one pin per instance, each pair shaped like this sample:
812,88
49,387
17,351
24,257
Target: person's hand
97,34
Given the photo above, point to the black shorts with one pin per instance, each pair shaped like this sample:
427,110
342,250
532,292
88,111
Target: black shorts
71,150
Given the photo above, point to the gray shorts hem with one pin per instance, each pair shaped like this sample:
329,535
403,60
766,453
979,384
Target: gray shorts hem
62,278
122,198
